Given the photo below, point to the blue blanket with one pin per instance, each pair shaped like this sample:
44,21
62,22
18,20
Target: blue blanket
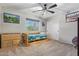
32,37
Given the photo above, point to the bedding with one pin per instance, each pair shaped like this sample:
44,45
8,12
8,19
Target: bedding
32,37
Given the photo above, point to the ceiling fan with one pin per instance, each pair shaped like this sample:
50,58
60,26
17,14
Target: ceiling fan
46,8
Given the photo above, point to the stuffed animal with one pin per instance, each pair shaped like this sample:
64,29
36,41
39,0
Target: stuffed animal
74,41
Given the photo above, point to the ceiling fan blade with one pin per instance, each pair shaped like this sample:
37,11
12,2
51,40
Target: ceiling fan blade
50,11
41,5
52,6
37,10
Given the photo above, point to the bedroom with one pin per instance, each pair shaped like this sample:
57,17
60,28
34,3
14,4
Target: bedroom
36,25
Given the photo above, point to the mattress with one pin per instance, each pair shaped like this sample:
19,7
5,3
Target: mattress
32,37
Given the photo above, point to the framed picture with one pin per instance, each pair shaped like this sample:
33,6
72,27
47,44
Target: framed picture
11,18
43,24
72,17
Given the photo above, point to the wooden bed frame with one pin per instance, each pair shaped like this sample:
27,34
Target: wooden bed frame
25,38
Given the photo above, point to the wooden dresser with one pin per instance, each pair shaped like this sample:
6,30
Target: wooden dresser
10,40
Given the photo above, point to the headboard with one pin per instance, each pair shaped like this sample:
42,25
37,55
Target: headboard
31,33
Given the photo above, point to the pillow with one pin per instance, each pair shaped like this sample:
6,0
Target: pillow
34,33
42,33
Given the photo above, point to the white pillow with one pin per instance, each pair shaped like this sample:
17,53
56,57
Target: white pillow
42,33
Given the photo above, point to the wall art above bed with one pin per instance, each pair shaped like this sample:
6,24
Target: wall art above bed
11,18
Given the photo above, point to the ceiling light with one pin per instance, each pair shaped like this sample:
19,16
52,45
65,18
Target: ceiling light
36,8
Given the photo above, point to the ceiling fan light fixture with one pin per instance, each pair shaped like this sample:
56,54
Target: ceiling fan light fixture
45,7
36,8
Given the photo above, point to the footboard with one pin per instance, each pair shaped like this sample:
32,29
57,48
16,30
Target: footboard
25,39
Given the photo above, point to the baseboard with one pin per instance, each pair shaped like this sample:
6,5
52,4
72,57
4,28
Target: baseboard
64,42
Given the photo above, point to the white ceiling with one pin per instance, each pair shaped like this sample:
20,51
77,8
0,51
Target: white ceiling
63,7
19,5
69,7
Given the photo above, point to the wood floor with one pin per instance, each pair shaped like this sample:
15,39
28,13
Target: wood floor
41,48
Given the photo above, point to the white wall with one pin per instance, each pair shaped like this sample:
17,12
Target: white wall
53,27
67,30
0,20
60,30
10,27
13,28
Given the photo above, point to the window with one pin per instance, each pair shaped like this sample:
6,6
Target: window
32,25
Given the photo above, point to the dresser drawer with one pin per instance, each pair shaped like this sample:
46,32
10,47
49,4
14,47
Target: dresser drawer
14,35
5,37
15,38
10,37
15,42
6,43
